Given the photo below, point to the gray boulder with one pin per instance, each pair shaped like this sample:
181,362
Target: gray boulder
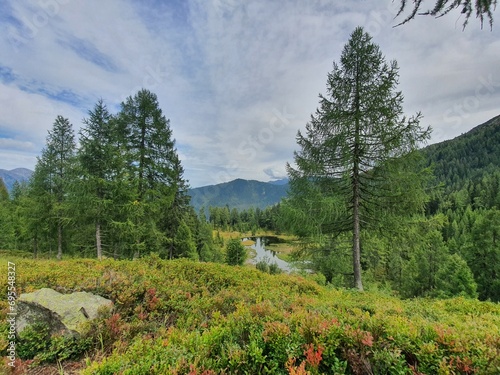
63,313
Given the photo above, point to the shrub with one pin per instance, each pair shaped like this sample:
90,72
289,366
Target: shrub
34,339
235,253
184,317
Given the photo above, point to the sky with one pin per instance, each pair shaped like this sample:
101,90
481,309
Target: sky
237,79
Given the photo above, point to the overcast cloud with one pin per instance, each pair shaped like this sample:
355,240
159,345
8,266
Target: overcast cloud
237,79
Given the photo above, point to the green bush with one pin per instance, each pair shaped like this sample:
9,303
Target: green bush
184,317
34,339
236,253
262,265
35,342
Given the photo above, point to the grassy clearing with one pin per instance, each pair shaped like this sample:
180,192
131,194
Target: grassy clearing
182,317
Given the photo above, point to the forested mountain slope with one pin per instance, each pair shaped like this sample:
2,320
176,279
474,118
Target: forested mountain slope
466,157
240,194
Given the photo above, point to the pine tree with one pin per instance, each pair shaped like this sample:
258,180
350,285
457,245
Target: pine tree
235,253
154,168
4,193
173,215
357,142
20,202
184,244
150,144
7,235
52,178
483,254
101,168
484,9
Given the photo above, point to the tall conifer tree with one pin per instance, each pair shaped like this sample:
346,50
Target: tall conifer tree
153,164
101,166
355,141
53,176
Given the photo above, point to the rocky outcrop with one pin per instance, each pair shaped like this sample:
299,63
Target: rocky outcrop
63,313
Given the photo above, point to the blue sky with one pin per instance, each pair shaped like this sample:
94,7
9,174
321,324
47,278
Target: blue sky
237,79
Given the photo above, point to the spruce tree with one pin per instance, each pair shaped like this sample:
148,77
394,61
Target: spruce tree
358,143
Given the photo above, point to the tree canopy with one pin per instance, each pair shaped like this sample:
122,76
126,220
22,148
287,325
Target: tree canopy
357,144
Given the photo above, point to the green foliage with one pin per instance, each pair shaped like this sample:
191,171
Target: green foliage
102,190
483,9
62,348
236,253
4,193
7,221
483,254
455,278
264,265
33,340
51,185
122,196
187,317
358,146
184,244
467,158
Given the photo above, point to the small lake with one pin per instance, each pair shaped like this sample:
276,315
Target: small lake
267,255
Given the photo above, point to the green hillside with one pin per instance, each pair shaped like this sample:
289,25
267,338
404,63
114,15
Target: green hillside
467,157
240,194
184,317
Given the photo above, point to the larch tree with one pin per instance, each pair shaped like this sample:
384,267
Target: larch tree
356,143
53,176
172,217
7,235
101,170
152,162
482,8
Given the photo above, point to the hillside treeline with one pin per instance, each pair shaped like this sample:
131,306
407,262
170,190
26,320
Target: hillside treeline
120,193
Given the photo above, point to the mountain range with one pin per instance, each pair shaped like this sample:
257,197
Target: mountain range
239,193
18,174
468,156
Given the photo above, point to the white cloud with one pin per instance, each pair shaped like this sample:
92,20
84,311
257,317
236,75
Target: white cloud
223,68
13,144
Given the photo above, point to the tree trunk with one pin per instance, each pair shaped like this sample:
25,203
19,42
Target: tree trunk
35,247
356,250
98,240
356,190
59,241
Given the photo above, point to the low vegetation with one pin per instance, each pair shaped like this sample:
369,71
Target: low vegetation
186,317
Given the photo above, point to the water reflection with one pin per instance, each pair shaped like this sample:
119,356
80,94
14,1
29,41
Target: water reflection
267,255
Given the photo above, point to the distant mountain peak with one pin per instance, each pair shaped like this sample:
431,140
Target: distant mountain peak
282,181
238,193
9,177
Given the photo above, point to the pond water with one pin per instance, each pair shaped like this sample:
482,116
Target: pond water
267,255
